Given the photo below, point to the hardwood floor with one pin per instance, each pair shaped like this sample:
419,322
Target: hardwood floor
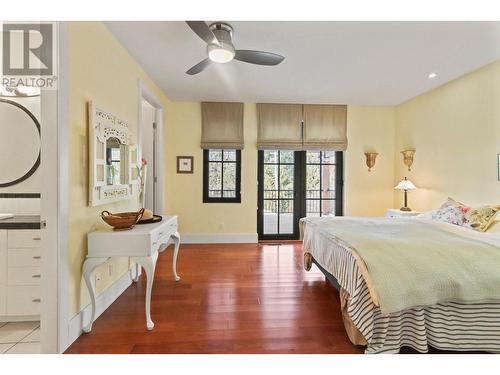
231,299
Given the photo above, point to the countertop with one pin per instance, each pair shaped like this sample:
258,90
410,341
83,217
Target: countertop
21,222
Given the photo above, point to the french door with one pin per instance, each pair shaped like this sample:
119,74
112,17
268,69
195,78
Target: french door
295,184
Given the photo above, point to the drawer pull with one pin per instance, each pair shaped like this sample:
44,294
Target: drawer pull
36,238
37,257
36,300
36,276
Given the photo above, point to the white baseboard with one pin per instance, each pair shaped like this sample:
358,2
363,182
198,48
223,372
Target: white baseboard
19,318
207,238
103,301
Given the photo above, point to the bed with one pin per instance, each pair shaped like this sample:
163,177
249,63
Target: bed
444,294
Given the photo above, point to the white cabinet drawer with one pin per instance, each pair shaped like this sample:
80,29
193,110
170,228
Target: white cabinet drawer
23,300
24,257
25,238
23,276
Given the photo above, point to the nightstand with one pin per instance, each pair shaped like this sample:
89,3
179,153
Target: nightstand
394,212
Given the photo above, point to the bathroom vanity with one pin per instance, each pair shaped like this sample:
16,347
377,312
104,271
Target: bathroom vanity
20,261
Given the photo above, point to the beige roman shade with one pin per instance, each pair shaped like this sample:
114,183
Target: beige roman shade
279,126
222,125
325,127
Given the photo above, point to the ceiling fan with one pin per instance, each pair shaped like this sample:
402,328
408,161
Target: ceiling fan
220,49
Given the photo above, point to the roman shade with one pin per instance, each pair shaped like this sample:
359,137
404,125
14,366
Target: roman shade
279,126
325,127
222,125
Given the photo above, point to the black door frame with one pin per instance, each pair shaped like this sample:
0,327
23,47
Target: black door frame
299,193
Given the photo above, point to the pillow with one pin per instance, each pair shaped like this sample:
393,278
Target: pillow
478,218
449,214
450,202
494,227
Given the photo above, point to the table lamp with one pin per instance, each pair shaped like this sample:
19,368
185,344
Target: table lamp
405,185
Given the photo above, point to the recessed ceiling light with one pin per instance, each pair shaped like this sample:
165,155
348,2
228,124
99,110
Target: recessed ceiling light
433,75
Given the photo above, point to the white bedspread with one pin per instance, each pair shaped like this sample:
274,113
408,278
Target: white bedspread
419,262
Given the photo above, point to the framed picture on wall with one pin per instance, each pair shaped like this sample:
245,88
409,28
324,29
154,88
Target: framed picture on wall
184,164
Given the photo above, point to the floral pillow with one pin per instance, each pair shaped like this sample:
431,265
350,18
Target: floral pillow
457,213
449,214
480,218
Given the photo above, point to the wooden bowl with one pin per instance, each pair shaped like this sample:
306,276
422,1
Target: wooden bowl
122,220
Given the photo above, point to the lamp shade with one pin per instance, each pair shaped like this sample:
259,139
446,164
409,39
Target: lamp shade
405,185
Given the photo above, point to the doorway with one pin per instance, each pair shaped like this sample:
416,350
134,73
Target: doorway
295,184
148,148
152,148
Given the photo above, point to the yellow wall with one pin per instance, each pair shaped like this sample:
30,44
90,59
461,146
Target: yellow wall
366,193
184,191
369,129
100,70
455,130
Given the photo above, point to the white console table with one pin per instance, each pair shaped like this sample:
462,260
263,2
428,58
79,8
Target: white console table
141,244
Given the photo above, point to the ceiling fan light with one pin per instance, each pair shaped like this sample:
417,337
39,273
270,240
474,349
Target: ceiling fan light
220,54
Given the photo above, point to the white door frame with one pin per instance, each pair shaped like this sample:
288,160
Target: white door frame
159,172
55,203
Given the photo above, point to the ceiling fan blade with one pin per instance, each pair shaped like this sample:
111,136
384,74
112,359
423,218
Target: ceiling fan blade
199,67
258,57
203,31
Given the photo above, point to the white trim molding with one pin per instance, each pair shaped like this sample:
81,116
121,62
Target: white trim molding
208,238
103,301
159,169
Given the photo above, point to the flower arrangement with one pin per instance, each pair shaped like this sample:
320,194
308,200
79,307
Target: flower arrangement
141,175
110,175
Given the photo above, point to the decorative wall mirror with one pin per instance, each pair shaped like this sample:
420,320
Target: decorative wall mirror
113,174
20,150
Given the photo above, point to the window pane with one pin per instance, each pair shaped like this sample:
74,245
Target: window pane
270,177
286,177
270,156
229,155
229,193
270,217
214,193
229,176
327,207
215,155
312,157
328,157
312,177
214,176
328,181
313,207
286,156
286,216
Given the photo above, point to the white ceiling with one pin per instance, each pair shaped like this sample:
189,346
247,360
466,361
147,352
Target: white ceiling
356,63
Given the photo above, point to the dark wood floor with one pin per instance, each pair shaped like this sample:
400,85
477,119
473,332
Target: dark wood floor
231,299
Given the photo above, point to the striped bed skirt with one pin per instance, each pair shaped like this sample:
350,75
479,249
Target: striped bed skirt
457,326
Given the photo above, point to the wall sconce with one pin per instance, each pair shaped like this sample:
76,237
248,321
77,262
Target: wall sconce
370,159
408,158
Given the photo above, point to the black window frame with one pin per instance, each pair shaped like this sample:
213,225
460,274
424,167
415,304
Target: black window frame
300,193
339,182
221,199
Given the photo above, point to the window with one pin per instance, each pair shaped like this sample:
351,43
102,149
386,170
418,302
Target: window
321,183
221,176
295,184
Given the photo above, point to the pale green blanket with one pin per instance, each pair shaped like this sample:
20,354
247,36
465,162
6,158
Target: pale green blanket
415,262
